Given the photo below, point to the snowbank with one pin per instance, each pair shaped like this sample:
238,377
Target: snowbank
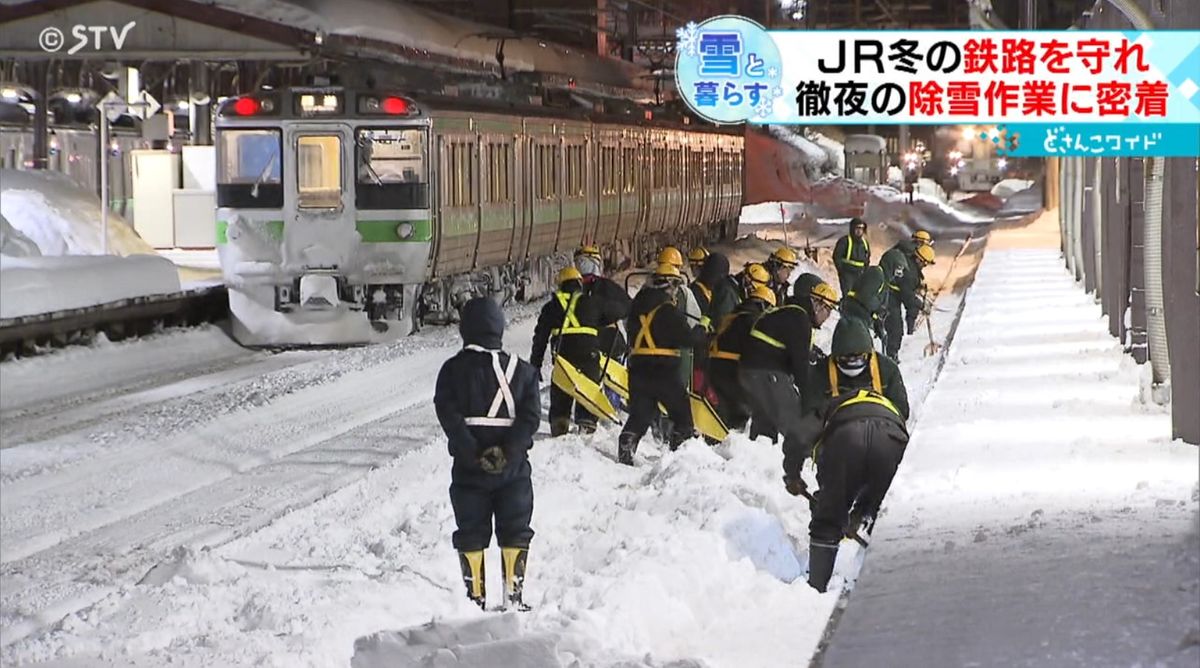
33,285
14,243
1008,187
61,217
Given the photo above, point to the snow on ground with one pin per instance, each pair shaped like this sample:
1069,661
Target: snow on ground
149,523
1008,187
1042,516
15,244
34,285
60,216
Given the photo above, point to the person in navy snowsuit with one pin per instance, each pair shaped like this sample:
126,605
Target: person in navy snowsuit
488,404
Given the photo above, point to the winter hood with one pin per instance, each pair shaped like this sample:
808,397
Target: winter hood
482,323
715,268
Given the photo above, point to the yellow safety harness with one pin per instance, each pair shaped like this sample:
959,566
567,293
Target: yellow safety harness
643,343
876,381
714,349
571,325
850,251
869,397
705,289
767,338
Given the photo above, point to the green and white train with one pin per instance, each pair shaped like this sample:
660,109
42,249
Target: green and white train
350,216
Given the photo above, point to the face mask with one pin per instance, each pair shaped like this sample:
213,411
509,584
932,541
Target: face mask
851,372
587,265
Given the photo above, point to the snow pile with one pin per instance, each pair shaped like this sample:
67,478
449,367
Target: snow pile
1008,187
61,217
34,285
15,244
187,566
834,149
822,156
766,213
483,643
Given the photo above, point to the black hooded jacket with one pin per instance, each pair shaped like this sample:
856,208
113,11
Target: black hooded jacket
714,291
669,328
467,386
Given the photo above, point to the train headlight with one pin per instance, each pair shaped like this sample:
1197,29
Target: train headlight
404,230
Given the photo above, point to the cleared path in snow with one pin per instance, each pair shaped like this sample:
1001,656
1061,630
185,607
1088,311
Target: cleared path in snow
1041,517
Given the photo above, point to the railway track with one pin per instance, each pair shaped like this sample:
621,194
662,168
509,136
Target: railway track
125,318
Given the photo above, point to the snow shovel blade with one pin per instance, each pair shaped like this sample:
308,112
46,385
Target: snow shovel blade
586,391
932,349
706,420
857,538
616,376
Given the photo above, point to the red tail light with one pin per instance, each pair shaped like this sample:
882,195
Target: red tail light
394,105
245,106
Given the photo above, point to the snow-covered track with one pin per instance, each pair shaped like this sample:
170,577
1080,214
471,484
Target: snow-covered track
121,319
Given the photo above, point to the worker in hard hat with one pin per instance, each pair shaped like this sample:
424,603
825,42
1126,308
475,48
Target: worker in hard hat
725,354
569,323
774,362
780,266
752,275
695,258
854,415
685,300
902,286
612,299
852,254
867,301
658,332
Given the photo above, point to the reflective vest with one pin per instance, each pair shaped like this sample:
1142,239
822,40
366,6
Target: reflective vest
767,338
504,395
570,325
876,380
850,251
643,343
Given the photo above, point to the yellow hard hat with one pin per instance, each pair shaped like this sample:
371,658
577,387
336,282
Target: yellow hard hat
590,250
569,274
670,255
785,256
922,237
697,254
758,273
925,255
764,293
824,292
668,270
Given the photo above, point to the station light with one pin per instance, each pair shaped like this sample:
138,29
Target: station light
1002,163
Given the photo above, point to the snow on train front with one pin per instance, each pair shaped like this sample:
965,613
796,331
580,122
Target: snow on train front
323,221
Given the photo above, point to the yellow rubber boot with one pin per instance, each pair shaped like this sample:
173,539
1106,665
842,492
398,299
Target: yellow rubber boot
514,576
473,576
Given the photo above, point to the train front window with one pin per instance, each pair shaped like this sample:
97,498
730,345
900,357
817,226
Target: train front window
319,171
250,169
392,165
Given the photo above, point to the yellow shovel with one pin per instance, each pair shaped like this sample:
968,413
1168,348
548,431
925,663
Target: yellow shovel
586,391
704,417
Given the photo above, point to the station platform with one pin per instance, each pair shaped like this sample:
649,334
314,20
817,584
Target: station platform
1042,516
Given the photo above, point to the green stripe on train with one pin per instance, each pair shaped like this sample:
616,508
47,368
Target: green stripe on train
371,231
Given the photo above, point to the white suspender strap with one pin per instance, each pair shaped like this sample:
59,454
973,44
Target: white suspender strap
504,395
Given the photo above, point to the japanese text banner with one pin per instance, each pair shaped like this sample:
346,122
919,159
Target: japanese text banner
731,70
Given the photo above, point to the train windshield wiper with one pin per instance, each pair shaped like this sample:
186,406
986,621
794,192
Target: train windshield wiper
263,176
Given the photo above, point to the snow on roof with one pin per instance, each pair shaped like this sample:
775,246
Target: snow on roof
865,144
61,217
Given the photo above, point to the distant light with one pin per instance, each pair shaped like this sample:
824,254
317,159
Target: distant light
542,44
962,163
10,94
245,106
1002,163
182,105
74,98
114,148
319,38
954,171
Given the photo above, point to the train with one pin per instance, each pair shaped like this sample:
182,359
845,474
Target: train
349,215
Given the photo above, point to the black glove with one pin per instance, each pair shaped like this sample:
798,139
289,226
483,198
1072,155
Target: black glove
912,326
493,460
795,485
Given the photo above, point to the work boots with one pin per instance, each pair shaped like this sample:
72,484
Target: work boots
626,447
820,565
515,559
677,439
586,426
471,564
559,426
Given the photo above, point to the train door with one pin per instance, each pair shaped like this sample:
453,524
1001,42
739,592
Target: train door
318,225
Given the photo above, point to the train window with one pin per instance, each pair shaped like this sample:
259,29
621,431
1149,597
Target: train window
319,171
250,169
393,171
